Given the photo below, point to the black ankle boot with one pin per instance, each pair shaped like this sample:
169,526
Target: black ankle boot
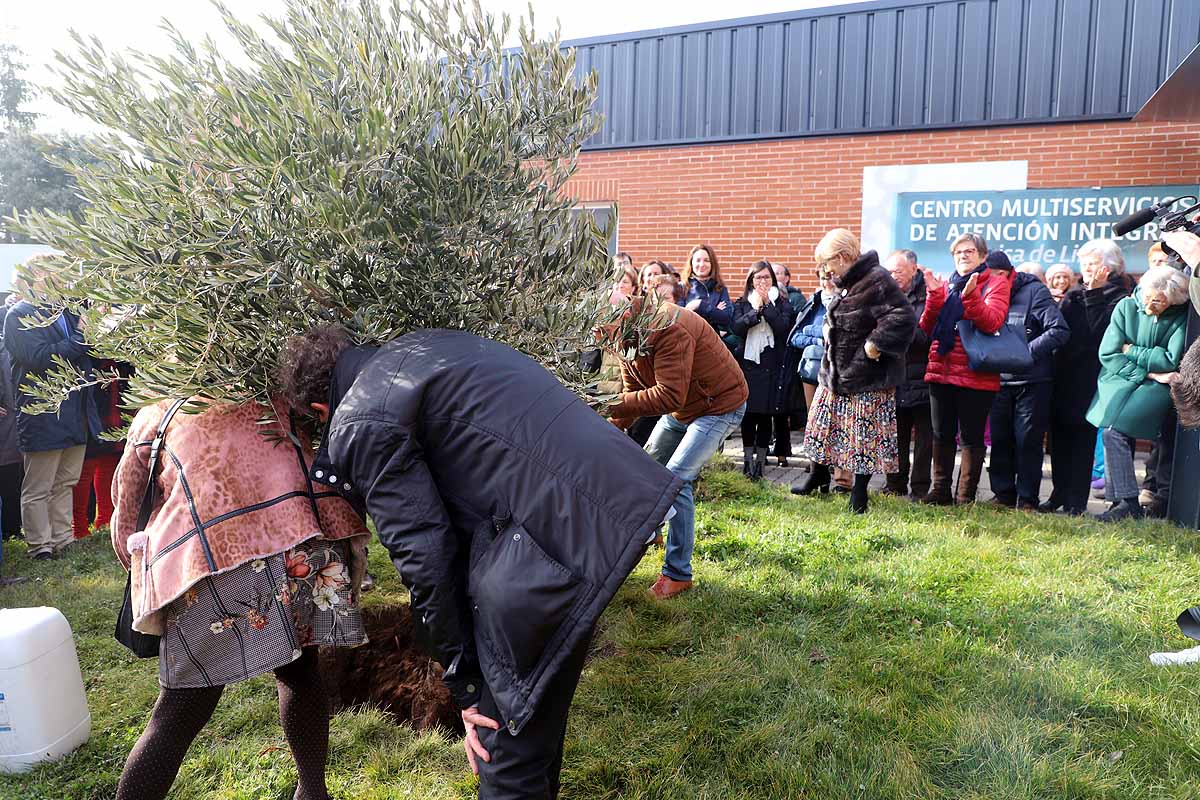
858,495
818,481
747,466
760,463
1122,509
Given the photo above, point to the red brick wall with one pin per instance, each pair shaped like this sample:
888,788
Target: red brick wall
776,199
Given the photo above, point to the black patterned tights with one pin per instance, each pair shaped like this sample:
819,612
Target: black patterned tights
180,714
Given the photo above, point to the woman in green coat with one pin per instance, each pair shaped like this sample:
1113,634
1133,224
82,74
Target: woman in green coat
1139,359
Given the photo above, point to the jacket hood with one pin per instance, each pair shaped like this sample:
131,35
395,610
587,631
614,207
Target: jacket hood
345,371
348,365
1023,279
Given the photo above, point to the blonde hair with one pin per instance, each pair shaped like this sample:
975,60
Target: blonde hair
838,242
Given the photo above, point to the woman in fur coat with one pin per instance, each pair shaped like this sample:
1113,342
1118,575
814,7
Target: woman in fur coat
868,327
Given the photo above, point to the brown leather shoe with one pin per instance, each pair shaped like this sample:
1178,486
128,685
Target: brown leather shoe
665,588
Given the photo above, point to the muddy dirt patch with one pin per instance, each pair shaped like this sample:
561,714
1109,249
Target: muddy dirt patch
390,672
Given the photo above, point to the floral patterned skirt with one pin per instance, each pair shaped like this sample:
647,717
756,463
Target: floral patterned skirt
256,617
856,432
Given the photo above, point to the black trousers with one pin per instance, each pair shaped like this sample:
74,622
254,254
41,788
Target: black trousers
1161,463
1072,455
756,431
1020,417
527,766
914,430
783,435
11,476
956,410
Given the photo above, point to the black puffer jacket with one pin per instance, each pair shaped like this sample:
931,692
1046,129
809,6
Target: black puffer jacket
915,391
1077,363
512,511
867,305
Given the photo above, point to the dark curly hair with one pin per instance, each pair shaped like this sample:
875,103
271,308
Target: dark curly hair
305,366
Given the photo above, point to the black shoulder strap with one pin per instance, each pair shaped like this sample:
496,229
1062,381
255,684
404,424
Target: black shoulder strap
151,483
294,437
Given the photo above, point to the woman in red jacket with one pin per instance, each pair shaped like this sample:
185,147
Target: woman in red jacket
959,397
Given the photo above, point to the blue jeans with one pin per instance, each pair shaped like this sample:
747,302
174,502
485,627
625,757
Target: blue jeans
684,449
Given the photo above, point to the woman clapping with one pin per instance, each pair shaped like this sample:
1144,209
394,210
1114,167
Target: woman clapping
762,318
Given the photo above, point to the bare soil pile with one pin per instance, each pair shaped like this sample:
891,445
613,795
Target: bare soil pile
390,672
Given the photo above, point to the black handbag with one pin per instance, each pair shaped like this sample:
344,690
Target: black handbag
143,645
1003,351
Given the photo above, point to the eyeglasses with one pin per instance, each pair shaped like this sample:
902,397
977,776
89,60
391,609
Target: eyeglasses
966,251
763,278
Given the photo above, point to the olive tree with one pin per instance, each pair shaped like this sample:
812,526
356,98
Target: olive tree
387,168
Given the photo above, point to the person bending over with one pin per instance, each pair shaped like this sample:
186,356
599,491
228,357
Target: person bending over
512,511
687,374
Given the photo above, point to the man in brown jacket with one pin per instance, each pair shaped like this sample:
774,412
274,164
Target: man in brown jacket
689,376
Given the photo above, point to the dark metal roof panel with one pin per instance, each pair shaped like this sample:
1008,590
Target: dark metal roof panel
883,66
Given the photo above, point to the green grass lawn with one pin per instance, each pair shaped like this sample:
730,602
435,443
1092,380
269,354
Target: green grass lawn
910,653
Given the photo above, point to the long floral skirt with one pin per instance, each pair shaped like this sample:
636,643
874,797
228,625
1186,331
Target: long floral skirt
856,432
256,617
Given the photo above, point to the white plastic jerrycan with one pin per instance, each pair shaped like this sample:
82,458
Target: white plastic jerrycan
43,709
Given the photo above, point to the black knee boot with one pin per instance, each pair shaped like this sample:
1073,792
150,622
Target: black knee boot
858,495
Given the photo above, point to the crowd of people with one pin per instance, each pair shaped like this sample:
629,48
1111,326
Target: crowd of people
890,369
245,552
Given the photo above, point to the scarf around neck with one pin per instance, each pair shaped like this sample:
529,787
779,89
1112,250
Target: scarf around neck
947,322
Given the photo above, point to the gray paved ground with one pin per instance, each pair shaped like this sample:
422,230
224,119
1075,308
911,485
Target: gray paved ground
797,471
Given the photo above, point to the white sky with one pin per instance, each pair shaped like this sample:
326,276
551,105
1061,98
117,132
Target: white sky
39,27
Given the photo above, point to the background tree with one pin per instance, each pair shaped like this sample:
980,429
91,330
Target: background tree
31,177
28,180
391,170
15,91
